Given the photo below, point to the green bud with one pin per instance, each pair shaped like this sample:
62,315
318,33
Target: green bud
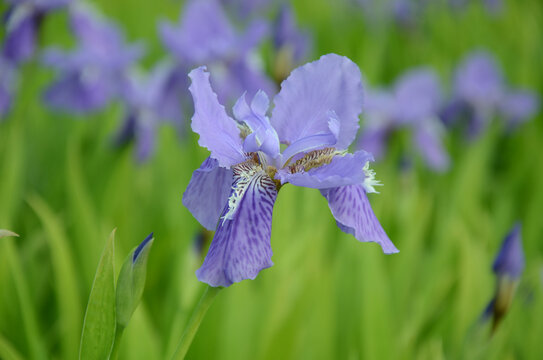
131,281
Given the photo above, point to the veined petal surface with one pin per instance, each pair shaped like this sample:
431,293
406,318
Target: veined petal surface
354,215
332,83
241,246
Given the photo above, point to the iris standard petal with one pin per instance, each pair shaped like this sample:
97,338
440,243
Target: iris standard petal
218,132
241,246
207,193
342,170
203,35
354,215
307,95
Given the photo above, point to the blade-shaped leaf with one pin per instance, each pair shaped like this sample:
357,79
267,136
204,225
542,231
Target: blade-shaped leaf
99,324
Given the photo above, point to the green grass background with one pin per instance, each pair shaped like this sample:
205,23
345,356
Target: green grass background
63,189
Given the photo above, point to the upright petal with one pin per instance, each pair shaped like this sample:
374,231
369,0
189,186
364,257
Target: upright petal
241,246
301,108
218,132
207,193
354,215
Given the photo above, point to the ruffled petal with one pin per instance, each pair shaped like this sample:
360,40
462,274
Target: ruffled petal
343,170
218,132
354,215
241,246
301,108
207,193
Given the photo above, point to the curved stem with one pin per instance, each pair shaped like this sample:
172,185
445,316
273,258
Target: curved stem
194,323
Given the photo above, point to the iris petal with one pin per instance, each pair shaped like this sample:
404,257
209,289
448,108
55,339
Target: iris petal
354,215
307,95
218,132
241,246
208,192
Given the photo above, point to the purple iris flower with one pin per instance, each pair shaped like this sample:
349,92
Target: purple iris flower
92,74
480,93
414,104
315,116
23,19
508,267
244,9
205,36
7,84
147,104
291,45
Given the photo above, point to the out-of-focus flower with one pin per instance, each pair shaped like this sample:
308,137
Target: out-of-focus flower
414,105
316,116
243,9
205,36
7,85
149,101
508,267
480,93
23,20
92,74
291,45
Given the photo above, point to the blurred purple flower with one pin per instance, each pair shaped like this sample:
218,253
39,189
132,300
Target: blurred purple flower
22,20
480,93
508,267
92,74
7,84
204,35
414,104
148,101
291,45
244,9
316,116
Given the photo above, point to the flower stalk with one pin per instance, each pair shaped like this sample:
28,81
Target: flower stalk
194,323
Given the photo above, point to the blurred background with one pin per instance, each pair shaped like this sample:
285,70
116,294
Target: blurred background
95,135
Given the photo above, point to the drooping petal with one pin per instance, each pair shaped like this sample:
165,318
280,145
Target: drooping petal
354,215
241,246
301,108
429,142
519,106
218,132
80,92
207,193
342,170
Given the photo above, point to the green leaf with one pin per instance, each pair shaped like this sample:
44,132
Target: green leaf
65,279
99,324
7,351
132,281
5,233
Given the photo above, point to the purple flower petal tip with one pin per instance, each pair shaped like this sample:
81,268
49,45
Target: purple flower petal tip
510,259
